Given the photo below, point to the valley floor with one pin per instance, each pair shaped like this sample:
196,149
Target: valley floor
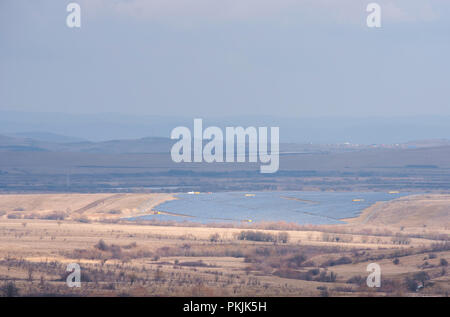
119,258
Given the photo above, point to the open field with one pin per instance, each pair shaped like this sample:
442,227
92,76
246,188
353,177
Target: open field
273,259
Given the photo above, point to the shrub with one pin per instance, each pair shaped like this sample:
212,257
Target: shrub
422,277
309,263
159,275
56,215
411,284
10,290
357,279
101,245
341,260
297,260
346,289
214,237
417,280
130,246
314,271
114,212
256,236
307,276
198,263
293,274
263,251
283,237
323,291
396,261
401,240
443,262
323,277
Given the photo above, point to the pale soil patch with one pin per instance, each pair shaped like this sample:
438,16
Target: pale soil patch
90,206
420,211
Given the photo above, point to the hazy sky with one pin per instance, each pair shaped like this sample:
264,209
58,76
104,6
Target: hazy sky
226,57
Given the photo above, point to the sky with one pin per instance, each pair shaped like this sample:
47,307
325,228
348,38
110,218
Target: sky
197,58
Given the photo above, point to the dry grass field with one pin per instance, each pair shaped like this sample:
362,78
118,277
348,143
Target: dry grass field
79,206
40,234
427,211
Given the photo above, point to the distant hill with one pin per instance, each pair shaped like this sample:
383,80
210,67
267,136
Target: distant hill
15,144
144,145
48,137
145,164
428,143
44,141
300,130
